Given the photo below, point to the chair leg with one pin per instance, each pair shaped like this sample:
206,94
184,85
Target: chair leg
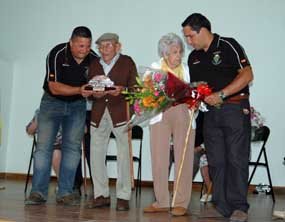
30,164
138,182
254,169
202,188
269,177
84,168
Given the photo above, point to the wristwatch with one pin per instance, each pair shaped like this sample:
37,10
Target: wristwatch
222,95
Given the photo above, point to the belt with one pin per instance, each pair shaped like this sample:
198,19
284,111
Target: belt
237,98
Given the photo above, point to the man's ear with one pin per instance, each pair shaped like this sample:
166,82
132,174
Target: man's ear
118,46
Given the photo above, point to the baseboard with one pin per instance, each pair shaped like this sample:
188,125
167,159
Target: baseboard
195,186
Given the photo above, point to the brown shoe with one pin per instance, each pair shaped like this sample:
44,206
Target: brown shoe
122,205
98,202
68,200
35,199
238,216
153,209
178,211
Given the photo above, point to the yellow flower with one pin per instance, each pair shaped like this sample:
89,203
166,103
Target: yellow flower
147,101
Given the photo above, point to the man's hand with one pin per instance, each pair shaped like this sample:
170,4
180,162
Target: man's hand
214,99
116,91
32,128
85,93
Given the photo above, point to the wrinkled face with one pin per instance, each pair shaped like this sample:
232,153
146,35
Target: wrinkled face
193,38
174,56
108,50
80,47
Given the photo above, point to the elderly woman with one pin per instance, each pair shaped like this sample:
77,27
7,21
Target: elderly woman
171,125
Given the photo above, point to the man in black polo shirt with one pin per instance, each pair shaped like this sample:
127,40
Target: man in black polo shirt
223,64
63,104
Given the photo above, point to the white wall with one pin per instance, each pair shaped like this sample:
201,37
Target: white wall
30,28
6,89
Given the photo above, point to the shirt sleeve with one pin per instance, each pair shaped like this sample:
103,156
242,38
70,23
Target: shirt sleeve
239,57
53,63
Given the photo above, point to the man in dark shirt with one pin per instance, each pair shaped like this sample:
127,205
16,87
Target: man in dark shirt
63,104
223,64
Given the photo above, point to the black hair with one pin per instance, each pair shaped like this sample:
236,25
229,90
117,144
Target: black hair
81,31
197,21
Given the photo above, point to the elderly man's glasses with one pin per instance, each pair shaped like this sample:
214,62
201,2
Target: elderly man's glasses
107,45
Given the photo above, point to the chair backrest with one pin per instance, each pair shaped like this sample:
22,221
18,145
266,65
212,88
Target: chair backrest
261,134
137,133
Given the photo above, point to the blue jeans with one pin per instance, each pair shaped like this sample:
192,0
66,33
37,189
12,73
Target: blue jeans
71,116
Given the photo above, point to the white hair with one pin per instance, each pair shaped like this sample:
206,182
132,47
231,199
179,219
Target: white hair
167,41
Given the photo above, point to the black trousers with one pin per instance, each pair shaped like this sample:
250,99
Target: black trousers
227,132
78,177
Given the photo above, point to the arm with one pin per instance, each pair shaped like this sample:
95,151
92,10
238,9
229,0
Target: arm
31,128
58,88
243,78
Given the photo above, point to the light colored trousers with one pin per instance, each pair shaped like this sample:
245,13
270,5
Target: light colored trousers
175,122
98,151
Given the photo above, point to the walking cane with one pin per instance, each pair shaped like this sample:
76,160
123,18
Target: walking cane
84,168
130,147
191,113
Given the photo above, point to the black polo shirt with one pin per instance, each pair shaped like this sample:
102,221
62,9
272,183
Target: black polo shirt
62,67
219,65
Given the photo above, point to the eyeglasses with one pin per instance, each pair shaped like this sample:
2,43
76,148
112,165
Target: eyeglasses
107,45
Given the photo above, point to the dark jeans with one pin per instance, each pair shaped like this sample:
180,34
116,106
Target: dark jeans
227,133
78,177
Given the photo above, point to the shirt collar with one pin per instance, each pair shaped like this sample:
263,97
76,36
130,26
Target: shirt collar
113,61
215,43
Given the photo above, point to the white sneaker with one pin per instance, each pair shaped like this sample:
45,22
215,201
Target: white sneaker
279,214
205,199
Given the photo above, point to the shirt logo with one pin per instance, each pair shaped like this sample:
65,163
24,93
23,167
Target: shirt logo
216,58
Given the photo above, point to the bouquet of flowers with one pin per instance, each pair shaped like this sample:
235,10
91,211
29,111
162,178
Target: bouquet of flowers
156,91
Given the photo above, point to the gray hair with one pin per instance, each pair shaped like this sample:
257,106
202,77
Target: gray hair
167,41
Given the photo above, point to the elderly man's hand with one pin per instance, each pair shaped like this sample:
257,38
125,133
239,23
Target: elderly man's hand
116,91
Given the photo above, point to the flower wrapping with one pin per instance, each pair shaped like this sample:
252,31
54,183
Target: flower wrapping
156,91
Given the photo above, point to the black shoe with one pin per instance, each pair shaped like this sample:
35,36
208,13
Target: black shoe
35,199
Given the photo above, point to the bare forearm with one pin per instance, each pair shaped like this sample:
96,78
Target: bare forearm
58,88
244,77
